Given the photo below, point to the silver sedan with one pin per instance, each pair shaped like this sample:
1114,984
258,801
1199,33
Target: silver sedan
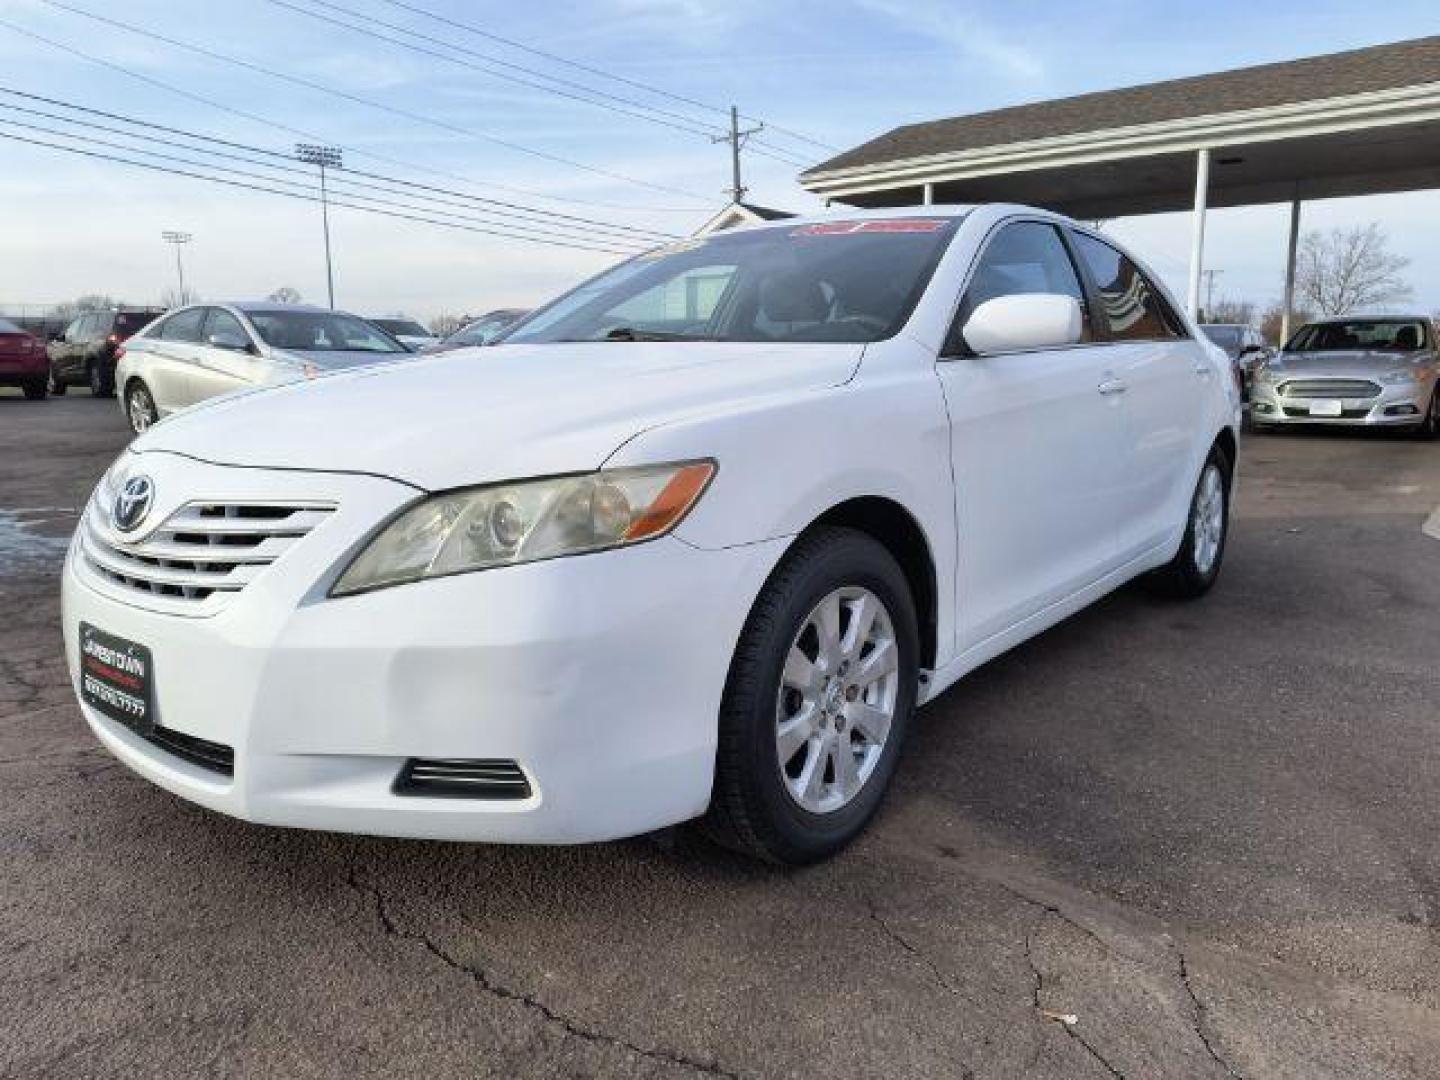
1382,372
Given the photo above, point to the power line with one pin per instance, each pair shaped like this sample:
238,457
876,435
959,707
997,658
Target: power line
285,162
372,155
368,102
470,28
295,195
518,231
565,88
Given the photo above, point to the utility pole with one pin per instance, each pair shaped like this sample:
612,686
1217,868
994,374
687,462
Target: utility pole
323,157
179,240
1210,276
737,139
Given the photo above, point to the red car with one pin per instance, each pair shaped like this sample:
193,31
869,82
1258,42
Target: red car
23,361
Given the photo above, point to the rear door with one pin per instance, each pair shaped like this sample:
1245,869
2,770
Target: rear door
1037,444
1164,376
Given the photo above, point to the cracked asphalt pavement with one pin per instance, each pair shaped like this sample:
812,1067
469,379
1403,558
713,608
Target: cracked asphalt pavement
1203,832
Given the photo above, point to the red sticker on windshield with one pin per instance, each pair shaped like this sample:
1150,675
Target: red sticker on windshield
891,225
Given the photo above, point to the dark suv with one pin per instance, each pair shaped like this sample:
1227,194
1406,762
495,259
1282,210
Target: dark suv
85,353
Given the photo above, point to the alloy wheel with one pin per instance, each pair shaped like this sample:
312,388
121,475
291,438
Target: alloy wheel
141,410
1207,519
837,699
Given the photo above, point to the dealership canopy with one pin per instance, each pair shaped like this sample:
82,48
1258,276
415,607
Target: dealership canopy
1351,123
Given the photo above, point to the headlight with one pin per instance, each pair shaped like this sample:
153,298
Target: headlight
506,524
1399,378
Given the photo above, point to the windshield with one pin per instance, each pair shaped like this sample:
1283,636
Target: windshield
8,327
1227,337
1401,334
398,327
320,332
854,281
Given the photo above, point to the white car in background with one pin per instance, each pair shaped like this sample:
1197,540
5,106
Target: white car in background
205,350
692,542
405,330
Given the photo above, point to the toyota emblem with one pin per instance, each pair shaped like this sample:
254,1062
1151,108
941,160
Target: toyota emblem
132,503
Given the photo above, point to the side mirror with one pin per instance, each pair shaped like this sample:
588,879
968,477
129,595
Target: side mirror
1024,321
233,342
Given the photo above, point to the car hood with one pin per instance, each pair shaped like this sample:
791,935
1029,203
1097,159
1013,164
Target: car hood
336,360
475,416
1359,363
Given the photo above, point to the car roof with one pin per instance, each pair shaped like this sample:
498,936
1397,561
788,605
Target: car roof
260,307
1402,317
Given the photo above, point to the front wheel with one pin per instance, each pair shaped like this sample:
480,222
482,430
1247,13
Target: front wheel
1197,564
817,701
55,384
140,408
102,382
1430,426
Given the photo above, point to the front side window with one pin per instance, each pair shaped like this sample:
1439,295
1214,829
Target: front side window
1023,258
182,326
1227,337
225,325
321,332
850,281
1133,306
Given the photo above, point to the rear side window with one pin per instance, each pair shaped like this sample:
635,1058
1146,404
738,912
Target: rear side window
222,322
1133,306
1022,258
182,326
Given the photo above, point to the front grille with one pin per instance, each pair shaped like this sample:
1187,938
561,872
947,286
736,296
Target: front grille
1345,414
1330,388
465,778
202,549
214,756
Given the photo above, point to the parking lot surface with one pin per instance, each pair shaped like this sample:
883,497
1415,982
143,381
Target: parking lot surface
1205,832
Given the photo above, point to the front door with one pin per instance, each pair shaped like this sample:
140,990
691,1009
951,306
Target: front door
1038,448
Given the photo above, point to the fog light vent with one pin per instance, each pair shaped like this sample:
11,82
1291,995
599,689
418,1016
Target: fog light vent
463,778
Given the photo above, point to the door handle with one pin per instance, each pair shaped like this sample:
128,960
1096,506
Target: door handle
1113,385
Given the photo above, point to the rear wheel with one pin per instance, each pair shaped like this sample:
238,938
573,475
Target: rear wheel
1197,564
140,408
34,388
102,382
55,385
818,698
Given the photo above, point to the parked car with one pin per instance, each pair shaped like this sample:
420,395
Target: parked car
406,331
1245,346
22,360
1379,372
693,542
204,350
85,353
482,331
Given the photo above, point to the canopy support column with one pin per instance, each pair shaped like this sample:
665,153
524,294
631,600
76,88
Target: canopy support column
1197,230
927,195
1289,305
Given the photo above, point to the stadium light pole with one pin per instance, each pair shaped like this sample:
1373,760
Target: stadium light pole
323,157
179,240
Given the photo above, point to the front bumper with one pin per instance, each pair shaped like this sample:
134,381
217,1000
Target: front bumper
600,675
1401,405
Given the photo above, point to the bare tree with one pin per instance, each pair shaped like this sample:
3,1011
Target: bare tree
445,325
285,295
81,304
1226,310
1349,269
1273,318
173,298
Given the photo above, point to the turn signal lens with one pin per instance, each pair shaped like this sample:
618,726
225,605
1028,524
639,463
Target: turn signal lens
509,524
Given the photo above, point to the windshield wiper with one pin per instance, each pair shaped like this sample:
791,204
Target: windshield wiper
629,333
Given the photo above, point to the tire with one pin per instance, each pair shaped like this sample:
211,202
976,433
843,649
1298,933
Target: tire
759,803
1430,427
1207,528
102,382
35,388
140,408
57,387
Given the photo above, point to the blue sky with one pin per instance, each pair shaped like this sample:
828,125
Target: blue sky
838,72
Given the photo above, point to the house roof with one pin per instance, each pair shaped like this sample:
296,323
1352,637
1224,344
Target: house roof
1381,67
741,213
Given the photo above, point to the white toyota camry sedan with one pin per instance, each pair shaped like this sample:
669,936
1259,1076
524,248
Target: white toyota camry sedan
693,543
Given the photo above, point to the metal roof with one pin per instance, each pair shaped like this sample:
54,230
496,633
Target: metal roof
1359,71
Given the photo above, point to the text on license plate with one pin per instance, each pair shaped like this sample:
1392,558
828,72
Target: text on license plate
116,678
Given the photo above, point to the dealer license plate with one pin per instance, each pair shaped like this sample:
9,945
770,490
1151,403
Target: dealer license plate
117,678
1326,408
